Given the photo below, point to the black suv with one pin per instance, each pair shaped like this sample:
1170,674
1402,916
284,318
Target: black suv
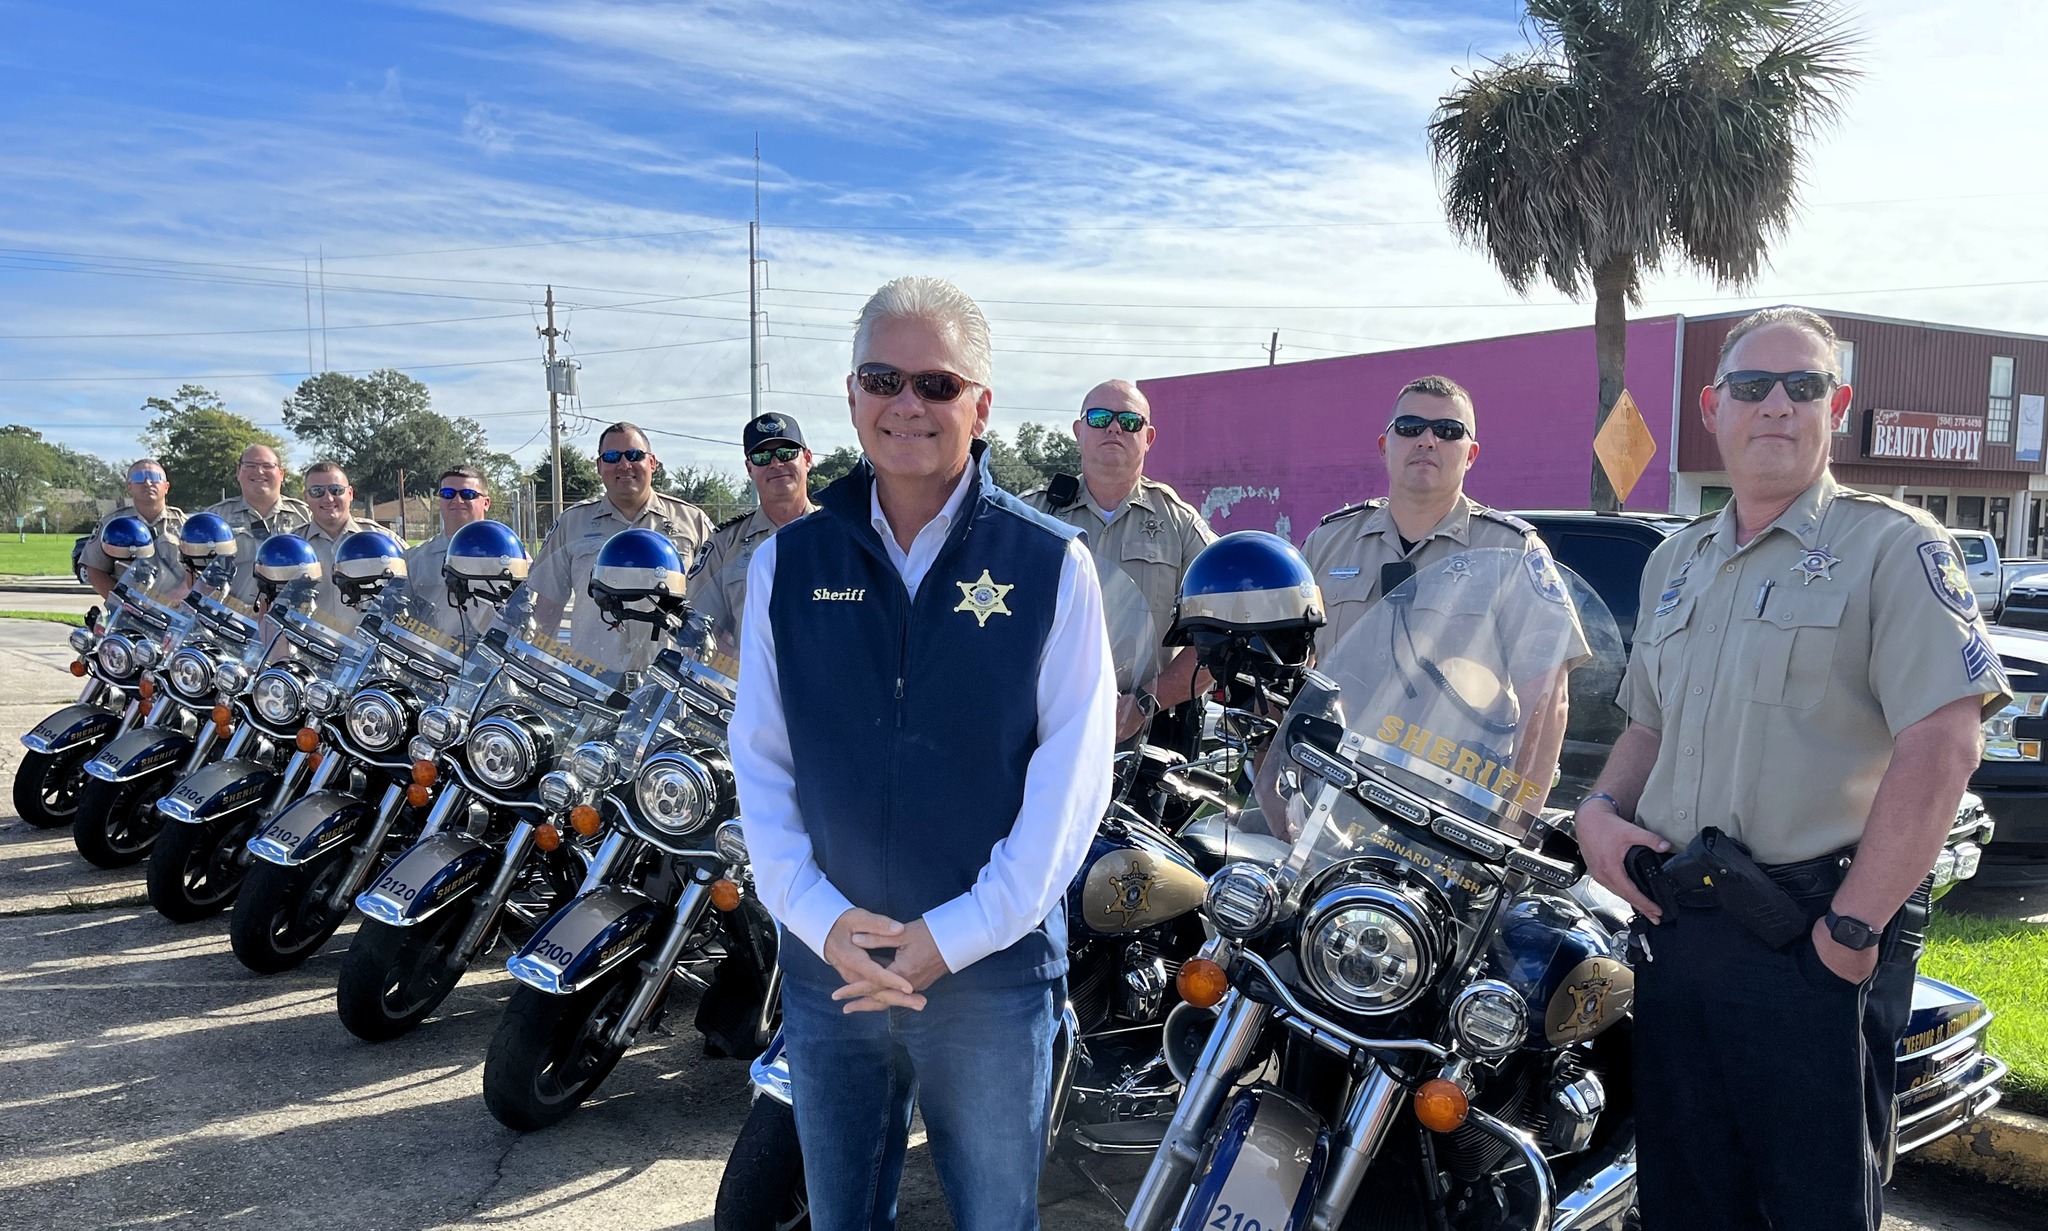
1610,550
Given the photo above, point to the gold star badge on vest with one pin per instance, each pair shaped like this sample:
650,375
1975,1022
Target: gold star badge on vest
983,597
1815,563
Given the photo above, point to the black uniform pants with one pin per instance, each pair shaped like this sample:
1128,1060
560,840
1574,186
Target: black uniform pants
1763,1081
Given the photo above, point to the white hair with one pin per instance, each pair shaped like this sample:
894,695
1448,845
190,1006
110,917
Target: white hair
1812,324
938,303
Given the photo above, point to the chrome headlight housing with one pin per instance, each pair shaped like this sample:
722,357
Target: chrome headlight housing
147,652
278,697
676,792
559,789
83,641
1370,948
731,843
376,721
190,675
506,753
117,655
1490,1018
441,726
229,679
323,696
594,763
1243,900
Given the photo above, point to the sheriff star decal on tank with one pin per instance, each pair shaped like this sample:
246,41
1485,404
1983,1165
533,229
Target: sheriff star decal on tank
983,597
1815,564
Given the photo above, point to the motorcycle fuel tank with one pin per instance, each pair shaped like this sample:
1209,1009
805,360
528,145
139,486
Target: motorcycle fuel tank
1133,880
1566,968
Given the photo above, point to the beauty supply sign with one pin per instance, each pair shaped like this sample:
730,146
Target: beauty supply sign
1917,436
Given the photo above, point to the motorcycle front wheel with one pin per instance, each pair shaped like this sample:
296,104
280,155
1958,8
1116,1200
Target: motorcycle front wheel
117,822
281,916
46,786
392,978
196,870
763,1185
552,1052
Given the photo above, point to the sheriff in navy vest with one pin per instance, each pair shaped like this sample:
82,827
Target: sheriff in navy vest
911,723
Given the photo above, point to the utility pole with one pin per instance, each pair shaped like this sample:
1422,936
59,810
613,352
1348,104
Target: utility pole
1273,349
401,505
323,308
754,293
554,407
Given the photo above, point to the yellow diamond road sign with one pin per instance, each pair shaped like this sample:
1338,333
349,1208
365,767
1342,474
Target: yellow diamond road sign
1624,446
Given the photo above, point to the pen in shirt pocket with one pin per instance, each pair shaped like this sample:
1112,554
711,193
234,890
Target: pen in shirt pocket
1763,594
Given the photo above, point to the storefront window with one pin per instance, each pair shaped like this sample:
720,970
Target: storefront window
2001,517
1969,513
1938,505
1714,499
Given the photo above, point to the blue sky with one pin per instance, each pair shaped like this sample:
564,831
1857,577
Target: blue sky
1132,188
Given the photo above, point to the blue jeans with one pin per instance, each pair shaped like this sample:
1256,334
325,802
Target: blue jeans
979,1063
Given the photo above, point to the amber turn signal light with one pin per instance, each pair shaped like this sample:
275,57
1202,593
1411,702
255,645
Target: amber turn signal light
584,819
307,739
1202,983
222,715
1441,1105
547,837
725,895
78,667
425,773
222,729
418,796
142,706
145,688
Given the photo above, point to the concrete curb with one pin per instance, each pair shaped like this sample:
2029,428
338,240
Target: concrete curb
2004,1147
42,585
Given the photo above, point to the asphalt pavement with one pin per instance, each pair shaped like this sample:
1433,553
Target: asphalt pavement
148,1079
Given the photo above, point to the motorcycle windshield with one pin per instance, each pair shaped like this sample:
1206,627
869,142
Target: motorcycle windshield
574,693
292,629
1448,701
135,608
404,625
1134,629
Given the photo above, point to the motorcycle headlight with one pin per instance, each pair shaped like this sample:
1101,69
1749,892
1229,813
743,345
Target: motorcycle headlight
559,789
676,792
1369,948
191,674
596,764
441,726
322,696
228,679
1243,900
277,697
1490,1018
731,843
82,641
375,721
503,753
117,655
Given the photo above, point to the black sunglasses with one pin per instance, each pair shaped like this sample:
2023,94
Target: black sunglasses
614,456
465,494
1412,426
316,490
882,381
1128,420
781,453
1755,386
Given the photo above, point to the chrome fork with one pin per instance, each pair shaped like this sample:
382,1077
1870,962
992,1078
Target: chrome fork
656,966
1231,1041
516,845
365,852
1366,1121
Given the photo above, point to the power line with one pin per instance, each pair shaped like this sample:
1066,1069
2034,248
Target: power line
404,367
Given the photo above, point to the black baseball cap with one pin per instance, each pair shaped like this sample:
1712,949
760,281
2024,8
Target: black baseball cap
769,428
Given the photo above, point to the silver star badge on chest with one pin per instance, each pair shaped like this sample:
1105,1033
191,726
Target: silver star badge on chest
1815,564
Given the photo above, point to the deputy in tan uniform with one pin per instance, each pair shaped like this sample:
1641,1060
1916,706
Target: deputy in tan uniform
779,467
259,512
1808,679
464,497
561,572
332,496
1140,524
1430,443
149,489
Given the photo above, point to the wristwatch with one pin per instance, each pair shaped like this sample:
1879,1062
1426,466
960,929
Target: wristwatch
1852,933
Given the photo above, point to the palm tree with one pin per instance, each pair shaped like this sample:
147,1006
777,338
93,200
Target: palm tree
1633,132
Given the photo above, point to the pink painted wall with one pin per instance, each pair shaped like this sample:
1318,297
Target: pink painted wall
1277,448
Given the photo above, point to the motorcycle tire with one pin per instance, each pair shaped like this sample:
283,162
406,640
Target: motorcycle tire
763,1185
47,786
117,822
550,1053
195,870
392,978
281,916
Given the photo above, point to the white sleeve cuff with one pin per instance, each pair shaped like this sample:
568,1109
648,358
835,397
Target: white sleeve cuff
960,932
811,914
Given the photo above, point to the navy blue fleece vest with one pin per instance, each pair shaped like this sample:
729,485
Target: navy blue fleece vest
911,724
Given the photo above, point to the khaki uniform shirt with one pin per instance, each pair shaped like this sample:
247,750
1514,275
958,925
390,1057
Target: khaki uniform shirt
562,569
1153,540
290,516
1346,551
718,581
1780,673
165,545
329,602
429,588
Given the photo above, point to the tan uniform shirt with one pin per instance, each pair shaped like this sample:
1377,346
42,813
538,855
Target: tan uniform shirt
1346,551
562,569
329,602
425,582
1780,673
718,581
1154,538
290,516
165,543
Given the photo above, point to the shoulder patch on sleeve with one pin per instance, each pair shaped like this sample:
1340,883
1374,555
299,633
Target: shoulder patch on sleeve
1363,506
1945,576
1543,574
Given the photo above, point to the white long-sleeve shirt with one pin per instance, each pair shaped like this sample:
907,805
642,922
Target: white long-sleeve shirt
1066,784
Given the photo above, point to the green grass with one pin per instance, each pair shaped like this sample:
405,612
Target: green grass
2005,962
43,555
54,617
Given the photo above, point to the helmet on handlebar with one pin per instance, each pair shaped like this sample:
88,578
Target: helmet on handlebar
1250,607
126,538
486,562
364,561
638,576
281,560
203,538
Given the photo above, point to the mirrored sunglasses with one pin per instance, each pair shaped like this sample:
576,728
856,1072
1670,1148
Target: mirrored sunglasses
615,456
464,494
1411,426
147,476
315,491
1128,420
768,457
882,381
1755,386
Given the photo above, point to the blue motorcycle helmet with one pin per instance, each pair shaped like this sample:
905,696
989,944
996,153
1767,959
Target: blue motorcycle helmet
281,560
364,561
204,538
1250,607
638,576
486,562
126,538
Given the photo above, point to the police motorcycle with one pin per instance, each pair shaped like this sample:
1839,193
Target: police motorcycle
198,862
665,902
182,725
51,774
312,857
488,861
1418,1022
1131,922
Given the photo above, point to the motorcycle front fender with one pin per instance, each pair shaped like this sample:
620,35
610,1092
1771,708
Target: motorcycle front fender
139,753
70,727
217,790
1265,1168
770,1073
586,938
435,872
310,827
